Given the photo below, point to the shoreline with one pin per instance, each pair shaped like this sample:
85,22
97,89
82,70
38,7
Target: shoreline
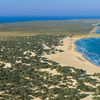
71,57
93,31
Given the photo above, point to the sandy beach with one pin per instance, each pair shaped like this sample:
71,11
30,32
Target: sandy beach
70,57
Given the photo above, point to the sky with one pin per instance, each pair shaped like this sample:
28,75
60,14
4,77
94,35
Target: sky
49,7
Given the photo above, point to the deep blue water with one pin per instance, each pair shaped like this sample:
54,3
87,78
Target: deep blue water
90,48
22,19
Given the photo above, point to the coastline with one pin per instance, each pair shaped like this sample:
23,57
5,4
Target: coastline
71,57
93,31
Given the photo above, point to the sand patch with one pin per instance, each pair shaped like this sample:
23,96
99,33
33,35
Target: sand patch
70,57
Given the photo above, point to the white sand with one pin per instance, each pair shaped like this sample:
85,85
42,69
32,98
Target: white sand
32,53
88,97
53,72
72,58
7,65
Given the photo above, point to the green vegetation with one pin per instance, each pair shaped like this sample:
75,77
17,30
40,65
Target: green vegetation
24,72
69,27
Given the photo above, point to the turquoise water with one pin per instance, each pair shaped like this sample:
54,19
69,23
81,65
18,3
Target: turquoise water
90,48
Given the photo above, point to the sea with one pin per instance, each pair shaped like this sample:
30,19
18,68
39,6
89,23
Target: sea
98,30
13,19
89,47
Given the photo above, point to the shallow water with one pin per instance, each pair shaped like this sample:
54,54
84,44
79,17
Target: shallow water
98,30
90,48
